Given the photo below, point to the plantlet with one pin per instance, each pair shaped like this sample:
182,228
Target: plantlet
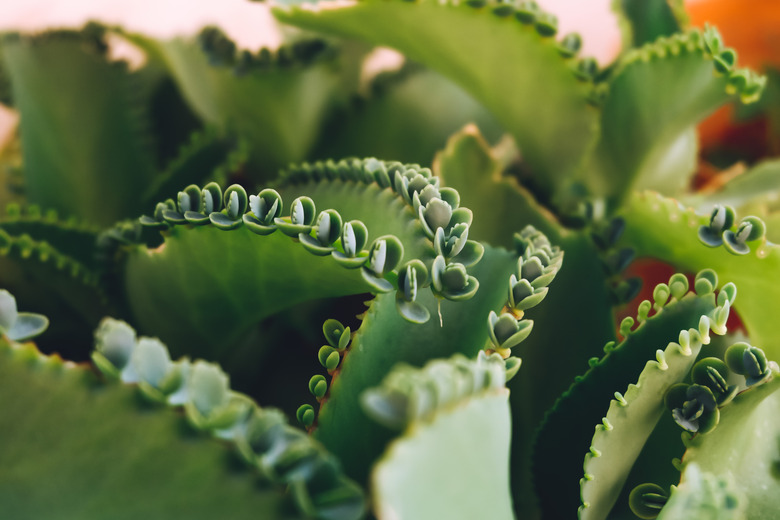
253,315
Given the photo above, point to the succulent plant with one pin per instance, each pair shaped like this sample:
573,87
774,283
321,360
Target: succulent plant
254,316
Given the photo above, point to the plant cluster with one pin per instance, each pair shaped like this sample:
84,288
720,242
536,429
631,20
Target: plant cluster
262,285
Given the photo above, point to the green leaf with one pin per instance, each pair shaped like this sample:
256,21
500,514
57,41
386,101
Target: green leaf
745,446
656,96
644,21
84,132
503,63
408,116
471,167
462,452
384,339
171,287
631,420
147,462
276,102
704,495
70,237
566,433
660,228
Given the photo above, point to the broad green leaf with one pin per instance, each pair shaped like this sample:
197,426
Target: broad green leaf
661,228
83,125
567,431
744,446
76,448
276,102
655,96
468,165
407,116
644,21
505,64
462,452
704,495
385,339
631,421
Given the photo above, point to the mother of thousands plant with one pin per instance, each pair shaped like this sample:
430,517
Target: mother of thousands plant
152,195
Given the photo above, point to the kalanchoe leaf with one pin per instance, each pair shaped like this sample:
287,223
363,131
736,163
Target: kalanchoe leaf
617,261
318,386
208,390
712,373
412,311
436,214
225,222
301,219
749,361
384,255
335,333
546,24
506,331
749,229
647,500
266,206
523,296
461,216
411,277
450,244
451,281
151,361
173,217
678,285
305,415
661,294
705,282
8,311
211,198
423,197
721,219
527,12
27,326
450,196
196,218
189,199
694,407
608,234
470,254
115,341
328,227
570,45
512,366
327,230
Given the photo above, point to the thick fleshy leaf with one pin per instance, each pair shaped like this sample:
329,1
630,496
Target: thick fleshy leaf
96,169
477,63
463,452
139,452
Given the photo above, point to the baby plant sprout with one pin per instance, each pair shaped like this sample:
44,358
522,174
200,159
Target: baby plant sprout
751,362
647,500
693,407
384,255
412,276
353,239
266,206
301,219
452,281
326,230
19,326
720,232
713,373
